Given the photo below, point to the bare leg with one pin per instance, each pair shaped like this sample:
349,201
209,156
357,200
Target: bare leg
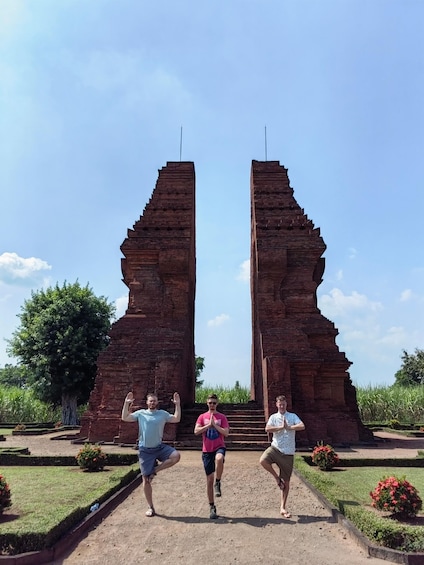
284,495
173,459
219,463
268,467
209,487
147,487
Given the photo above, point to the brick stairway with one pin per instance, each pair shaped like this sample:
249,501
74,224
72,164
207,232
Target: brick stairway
247,427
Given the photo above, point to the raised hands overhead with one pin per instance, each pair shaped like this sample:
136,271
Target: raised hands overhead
129,398
176,398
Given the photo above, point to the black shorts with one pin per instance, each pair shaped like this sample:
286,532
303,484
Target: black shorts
208,459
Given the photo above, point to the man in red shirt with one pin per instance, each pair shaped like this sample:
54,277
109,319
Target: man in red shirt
214,428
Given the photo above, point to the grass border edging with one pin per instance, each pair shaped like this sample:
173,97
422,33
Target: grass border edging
75,534
372,462
380,552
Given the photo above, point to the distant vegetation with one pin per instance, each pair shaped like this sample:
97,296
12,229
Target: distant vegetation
385,403
235,395
376,404
21,405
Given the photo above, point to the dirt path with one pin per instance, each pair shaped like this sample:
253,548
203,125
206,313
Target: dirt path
250,529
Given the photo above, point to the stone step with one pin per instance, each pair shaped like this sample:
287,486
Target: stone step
247,427
259,428
231,445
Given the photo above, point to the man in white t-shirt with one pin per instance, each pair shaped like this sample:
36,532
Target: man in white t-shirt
283,425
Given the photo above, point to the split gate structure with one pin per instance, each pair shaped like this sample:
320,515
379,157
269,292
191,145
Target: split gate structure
294,351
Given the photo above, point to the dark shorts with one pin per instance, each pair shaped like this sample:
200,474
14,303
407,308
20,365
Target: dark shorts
208,459
284,462
147,457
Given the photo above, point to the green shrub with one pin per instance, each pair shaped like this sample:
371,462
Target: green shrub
20,457
398,496
394,424
91,458
324,457
5,495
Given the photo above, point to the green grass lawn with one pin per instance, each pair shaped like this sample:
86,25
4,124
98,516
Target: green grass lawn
348,490
45,497
357,482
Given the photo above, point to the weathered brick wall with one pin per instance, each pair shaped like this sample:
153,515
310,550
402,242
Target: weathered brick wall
294,349
151,347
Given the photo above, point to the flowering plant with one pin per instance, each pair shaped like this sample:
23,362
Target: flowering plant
5,496
91,458
324,456
397,496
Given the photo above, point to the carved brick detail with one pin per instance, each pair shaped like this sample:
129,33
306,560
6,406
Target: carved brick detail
151,347
294,351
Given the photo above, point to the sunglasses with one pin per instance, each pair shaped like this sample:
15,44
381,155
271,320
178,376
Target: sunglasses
211,402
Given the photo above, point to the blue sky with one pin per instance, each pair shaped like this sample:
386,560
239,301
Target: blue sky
93,96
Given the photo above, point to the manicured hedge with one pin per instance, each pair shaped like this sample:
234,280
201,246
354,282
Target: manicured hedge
419,462
10,458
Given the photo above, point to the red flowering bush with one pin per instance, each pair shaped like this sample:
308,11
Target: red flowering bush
5,496
397,496
91,458
324,457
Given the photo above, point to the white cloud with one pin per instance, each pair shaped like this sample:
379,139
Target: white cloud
406,295
352,253
367,333
218,321
244,271
121,305
20,270
395,337
12,14
335,303
339,275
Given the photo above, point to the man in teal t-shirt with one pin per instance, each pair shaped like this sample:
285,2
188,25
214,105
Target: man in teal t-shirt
151,423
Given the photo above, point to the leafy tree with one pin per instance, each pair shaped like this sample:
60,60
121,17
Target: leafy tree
199,365
62,331
411,372
12,375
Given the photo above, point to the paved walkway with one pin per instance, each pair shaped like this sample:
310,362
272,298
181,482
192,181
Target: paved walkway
387,445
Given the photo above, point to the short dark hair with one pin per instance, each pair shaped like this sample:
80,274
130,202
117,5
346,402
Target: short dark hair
213,397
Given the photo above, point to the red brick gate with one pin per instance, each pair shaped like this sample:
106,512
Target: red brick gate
293,345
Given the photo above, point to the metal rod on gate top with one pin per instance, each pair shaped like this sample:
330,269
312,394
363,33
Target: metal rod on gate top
181,142
266,149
